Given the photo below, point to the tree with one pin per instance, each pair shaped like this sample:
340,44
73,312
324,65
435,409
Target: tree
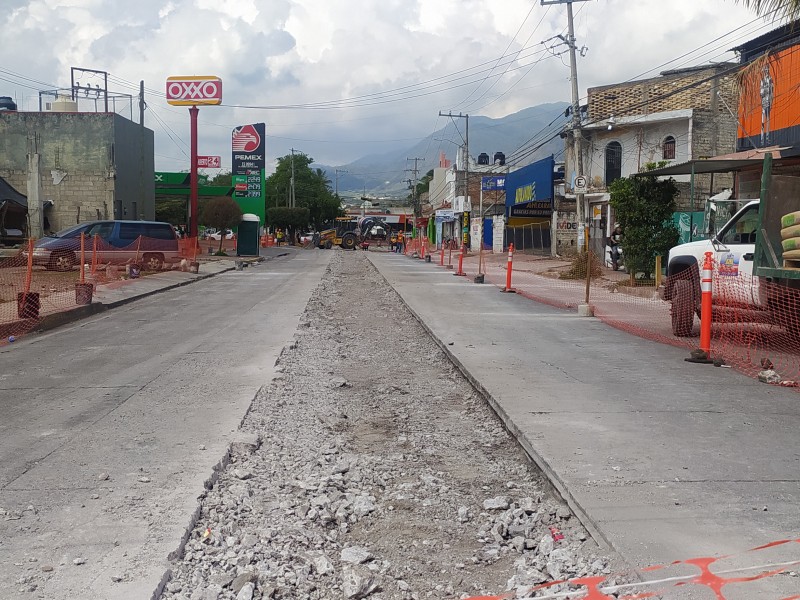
288,218
643,206
223,178
222,213
312,189
786,9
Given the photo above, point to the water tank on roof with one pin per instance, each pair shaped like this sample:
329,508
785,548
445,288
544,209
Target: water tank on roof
499,158
483,158
62,104
7,103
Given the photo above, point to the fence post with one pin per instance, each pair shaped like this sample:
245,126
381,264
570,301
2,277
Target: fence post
509,268
706,305
83,256
94,254
658,271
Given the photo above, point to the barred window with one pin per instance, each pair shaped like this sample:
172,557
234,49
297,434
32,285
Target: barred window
613,162
669,148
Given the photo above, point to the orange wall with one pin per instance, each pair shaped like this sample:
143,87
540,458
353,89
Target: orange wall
784,67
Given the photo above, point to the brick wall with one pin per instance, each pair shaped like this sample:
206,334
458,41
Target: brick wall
673,90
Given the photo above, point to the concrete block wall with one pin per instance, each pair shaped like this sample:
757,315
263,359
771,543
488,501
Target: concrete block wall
90,166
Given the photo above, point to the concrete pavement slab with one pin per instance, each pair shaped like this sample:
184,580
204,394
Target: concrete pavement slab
150,395
663,460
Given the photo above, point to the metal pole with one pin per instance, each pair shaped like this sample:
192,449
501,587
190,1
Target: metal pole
576,118
193,111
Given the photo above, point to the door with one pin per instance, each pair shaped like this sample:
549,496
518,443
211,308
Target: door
735,253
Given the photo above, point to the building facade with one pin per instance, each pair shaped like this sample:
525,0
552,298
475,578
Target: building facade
91,166
679,116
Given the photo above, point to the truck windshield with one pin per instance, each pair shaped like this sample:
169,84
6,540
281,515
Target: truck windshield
743,229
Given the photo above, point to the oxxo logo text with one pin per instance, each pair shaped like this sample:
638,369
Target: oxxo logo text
191,91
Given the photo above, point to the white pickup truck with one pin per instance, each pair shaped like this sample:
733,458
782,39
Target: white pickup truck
748,294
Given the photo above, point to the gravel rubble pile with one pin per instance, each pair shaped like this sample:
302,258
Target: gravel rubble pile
376,471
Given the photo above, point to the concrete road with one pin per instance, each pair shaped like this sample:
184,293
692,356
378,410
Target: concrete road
662,459
150,394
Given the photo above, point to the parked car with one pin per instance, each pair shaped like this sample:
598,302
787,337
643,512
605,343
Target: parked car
119,243
216,235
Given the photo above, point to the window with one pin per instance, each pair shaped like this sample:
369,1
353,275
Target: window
103,230
129,231
743,230
613,162
668,148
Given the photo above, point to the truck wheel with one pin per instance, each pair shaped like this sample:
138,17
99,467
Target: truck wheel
683,308
349,242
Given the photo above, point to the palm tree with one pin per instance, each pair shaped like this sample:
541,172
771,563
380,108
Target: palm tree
779,9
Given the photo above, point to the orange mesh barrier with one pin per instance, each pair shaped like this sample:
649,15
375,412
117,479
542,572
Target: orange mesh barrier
706,577
40,281
747,338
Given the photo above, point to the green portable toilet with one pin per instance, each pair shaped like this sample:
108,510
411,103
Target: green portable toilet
247,237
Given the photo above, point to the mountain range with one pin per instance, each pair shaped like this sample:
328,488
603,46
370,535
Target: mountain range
519,136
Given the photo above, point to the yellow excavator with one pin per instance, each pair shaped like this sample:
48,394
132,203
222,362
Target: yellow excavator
349,232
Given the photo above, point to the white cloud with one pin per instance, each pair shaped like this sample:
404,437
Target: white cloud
298,52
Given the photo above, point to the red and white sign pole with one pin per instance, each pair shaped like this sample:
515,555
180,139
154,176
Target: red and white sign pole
191,92
193,112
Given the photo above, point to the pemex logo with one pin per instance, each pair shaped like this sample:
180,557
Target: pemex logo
245,139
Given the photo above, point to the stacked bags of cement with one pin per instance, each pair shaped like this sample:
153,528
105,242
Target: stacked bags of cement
790,235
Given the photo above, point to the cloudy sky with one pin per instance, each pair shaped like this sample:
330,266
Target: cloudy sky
340,79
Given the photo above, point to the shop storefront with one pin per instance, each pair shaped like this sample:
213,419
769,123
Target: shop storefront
529,207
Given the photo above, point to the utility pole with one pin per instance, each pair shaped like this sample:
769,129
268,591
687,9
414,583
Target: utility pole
292,181
337,179
577,137
414,199
466,165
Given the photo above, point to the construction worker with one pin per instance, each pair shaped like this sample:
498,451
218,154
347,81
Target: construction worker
400,242
279,236
393,242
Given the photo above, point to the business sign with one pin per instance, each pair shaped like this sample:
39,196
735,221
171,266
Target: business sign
529,191
209,162
194,91
492,183
249,151
465,222
445,215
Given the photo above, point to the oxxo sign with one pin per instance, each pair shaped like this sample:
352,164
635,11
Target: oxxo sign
194,91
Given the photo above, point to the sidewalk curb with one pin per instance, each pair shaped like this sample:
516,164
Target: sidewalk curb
547,471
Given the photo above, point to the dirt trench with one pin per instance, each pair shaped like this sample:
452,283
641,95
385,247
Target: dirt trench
380,473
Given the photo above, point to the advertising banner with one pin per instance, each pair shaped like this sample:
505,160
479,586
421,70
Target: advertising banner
529,190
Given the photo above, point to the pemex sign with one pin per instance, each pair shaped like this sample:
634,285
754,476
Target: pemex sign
194,90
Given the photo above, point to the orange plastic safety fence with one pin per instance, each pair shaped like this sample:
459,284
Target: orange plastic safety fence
48,280
755,328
